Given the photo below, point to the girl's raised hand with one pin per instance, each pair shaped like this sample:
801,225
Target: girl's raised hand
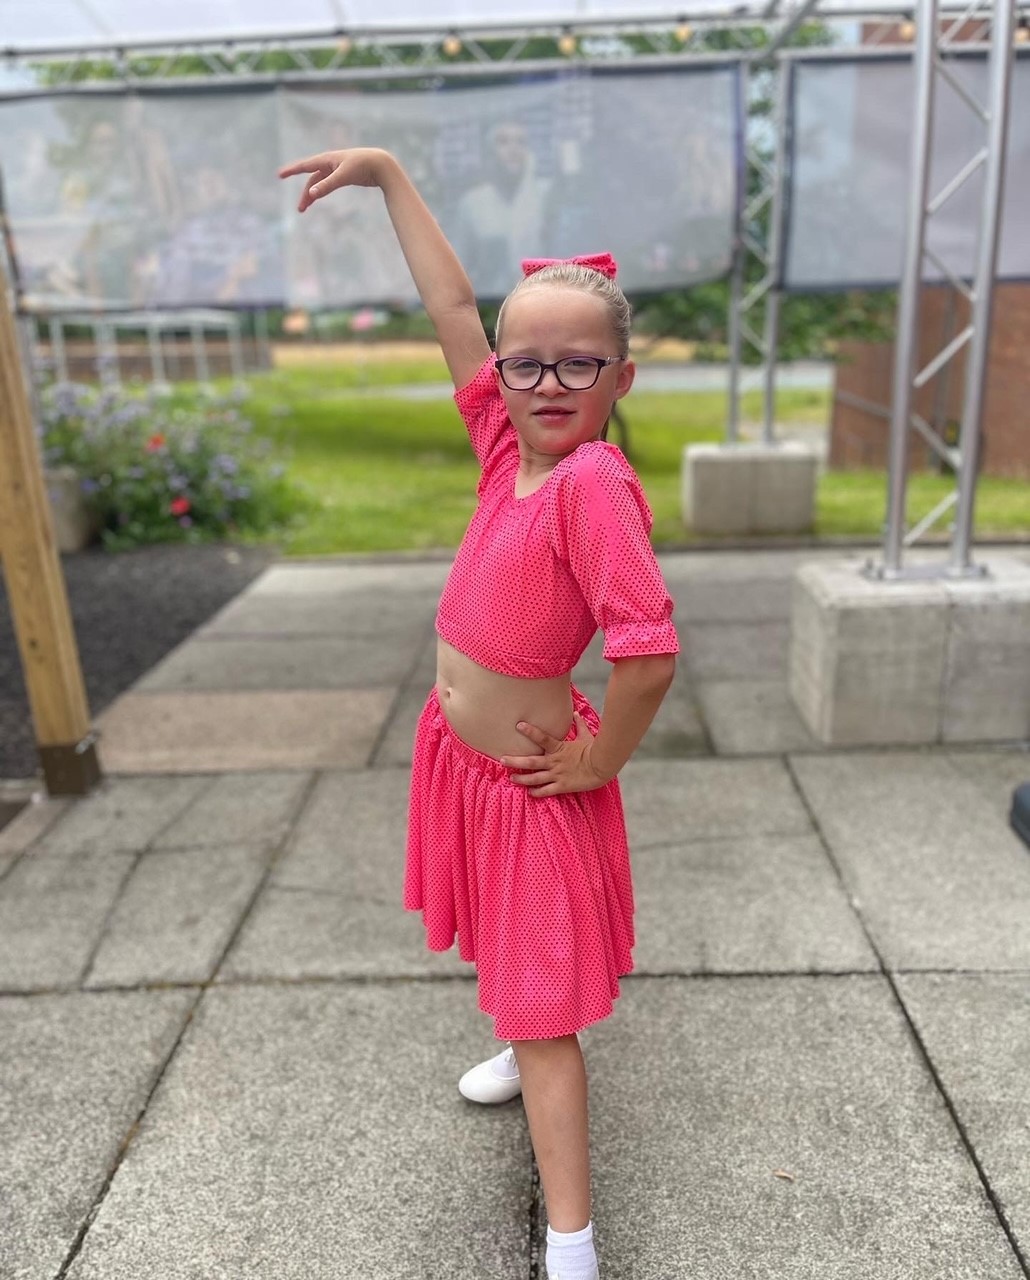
354,167
564,766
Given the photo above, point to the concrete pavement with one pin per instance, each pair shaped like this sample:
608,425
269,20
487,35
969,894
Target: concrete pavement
225,1051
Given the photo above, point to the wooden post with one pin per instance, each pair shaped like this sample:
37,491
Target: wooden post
35,587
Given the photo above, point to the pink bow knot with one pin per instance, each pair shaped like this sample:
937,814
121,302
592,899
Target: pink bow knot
603,262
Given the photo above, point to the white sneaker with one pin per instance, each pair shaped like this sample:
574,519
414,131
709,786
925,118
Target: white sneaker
493,1080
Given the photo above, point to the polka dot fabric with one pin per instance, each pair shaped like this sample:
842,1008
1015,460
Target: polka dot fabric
535,577
537,890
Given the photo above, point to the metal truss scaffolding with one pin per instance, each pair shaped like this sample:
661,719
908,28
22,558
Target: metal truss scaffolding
934,42
765,40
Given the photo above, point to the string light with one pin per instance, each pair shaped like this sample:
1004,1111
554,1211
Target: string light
1023,32
683,31
452,45
344,44
907,29
567,43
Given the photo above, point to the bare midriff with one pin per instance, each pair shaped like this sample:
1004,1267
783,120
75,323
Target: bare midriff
483,707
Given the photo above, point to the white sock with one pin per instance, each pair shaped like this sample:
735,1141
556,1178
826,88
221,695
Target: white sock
570,1254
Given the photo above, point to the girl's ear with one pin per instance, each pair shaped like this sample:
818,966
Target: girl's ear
627,372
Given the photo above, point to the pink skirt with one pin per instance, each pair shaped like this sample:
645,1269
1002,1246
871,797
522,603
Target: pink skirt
537,891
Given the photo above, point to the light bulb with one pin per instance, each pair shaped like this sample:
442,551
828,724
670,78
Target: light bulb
683,32
567,44
1022,34
452,45
907,29
344,44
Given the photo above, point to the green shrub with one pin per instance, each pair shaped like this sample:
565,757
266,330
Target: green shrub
154,471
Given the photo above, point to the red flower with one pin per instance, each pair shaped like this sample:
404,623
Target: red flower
156,441
179,506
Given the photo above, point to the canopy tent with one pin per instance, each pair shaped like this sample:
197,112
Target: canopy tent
35,26
71,31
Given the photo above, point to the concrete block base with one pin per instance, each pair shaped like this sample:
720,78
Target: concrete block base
749,488
911,661
75,526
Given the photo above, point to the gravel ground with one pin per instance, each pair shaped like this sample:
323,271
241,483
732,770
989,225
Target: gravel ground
129,608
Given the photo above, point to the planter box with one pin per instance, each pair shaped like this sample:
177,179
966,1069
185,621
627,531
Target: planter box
75,526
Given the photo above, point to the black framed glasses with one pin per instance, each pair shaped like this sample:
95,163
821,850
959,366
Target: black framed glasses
575,373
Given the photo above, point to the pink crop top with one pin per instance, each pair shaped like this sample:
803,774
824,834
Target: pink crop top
535,577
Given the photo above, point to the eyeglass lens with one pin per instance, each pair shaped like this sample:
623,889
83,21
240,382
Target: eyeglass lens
575,373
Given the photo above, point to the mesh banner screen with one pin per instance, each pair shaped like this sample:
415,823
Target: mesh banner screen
169,200
851,137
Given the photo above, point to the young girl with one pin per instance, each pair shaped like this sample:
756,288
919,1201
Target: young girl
517,841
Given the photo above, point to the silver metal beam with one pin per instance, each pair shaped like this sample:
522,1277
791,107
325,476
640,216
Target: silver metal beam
907,341
983,286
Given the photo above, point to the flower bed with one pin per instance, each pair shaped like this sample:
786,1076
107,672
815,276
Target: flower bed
156,470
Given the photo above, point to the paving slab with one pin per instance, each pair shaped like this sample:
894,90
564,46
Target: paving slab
122,814
332,907
215,732
395,746
995,773
75,1072
285,662
334,599
760,904
176,914
315,1133
753,717
34,820
592,666
939,876
238,808
52,915
739,587
736,650
347,576
703,1092
423,673
677,729
343,613
669,802
754,564
976,1029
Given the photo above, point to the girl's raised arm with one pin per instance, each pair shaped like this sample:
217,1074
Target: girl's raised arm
443,286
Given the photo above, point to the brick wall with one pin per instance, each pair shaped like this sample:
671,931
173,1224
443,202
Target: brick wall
858,435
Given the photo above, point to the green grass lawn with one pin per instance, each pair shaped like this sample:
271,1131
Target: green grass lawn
384,473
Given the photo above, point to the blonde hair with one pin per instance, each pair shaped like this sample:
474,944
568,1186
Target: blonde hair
570,275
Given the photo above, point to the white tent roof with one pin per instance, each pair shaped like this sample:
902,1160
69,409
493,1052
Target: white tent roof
28,26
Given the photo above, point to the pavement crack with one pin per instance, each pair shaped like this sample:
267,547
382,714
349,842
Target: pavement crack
922,1051
537,1224
403,689
126,1143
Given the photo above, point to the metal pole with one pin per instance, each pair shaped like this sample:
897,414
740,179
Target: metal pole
157,364
772,298
737,279
906,344
58,356
199,353
236,350
1000,64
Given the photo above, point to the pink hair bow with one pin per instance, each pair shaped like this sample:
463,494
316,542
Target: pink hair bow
603,262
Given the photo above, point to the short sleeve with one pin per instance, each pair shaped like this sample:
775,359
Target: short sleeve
602,528
484,413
